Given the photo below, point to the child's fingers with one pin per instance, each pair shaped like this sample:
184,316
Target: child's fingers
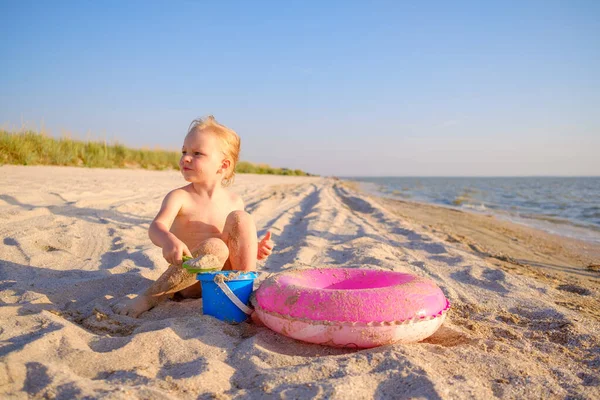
266,245
179,253
264,254
266,238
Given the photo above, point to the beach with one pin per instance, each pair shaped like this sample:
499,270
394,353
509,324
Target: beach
524,319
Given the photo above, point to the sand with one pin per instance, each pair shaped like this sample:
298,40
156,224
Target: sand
524,321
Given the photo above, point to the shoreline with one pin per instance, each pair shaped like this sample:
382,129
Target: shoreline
568,263
561,226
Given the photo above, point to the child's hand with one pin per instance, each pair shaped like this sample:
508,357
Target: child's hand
174,251
265,246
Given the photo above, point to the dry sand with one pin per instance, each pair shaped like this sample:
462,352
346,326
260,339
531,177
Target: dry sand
524,321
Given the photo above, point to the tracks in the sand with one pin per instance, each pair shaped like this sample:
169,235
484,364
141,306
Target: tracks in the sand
321,223
324,223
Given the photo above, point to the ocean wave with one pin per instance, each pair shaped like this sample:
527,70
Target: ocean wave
556,202
560,221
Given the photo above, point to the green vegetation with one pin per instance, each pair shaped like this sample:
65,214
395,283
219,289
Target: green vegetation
32,148
244,167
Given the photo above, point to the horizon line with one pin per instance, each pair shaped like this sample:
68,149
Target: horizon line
467,176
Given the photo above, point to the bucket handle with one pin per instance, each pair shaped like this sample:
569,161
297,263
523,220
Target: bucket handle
234,299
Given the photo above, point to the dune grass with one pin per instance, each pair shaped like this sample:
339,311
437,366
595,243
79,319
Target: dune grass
33,148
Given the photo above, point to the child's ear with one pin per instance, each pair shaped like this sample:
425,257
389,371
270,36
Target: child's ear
225,164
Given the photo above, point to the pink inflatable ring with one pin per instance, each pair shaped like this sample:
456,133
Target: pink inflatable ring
346,307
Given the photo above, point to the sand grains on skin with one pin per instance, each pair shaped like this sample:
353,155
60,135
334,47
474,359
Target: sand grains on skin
73,248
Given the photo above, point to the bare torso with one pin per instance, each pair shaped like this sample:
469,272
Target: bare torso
201,218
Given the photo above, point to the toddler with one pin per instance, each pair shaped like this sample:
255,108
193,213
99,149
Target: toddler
202,218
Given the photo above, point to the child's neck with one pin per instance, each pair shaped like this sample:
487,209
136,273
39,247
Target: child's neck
208,190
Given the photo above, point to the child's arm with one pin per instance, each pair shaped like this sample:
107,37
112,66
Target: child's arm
173,248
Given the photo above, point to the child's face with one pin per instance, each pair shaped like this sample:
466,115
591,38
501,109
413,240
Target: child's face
202,159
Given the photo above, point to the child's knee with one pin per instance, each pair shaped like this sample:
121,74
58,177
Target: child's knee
214,246
239,220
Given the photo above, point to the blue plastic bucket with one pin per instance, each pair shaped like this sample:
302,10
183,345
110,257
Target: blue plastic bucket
216,303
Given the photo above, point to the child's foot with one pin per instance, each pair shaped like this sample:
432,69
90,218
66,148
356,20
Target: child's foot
134,307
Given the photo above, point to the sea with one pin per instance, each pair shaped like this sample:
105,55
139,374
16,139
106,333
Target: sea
567,206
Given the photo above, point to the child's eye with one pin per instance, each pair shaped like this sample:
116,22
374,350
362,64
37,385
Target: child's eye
197,153
184,152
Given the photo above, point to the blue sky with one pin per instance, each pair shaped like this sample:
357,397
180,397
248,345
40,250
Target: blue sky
335,88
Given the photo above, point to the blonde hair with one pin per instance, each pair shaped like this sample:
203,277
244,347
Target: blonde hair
229,139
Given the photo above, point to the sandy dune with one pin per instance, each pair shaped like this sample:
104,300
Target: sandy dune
75,240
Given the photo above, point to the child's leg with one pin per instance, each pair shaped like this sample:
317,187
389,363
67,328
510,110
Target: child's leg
240,236
175,278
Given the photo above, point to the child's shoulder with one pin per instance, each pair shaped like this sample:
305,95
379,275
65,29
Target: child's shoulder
181,190
179,193
235,200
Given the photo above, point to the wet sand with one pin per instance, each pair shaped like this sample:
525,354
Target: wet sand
571,265
524,320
